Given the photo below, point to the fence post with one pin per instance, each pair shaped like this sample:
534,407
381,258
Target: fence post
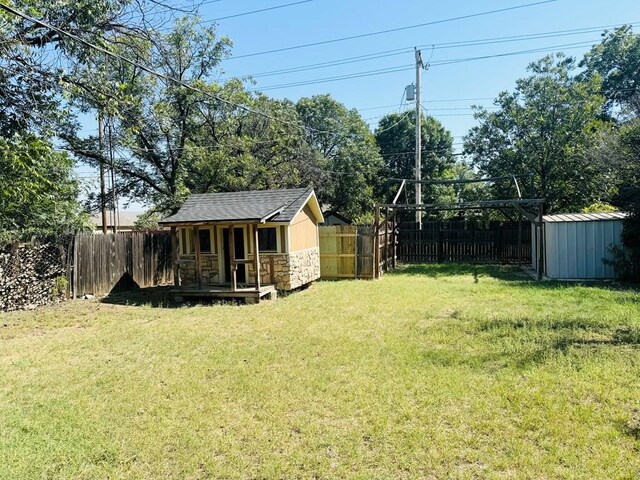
174,257
74,280
355,251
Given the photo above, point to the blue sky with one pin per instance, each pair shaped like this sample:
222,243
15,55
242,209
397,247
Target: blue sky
320,20
448,90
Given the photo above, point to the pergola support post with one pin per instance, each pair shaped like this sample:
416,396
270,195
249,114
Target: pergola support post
394,240
540,249
386,240
520,239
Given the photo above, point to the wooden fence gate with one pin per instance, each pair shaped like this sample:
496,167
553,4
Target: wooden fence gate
460,241
348,251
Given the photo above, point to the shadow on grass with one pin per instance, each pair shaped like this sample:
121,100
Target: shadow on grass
159,297
433,270
589,342
522,344
514,274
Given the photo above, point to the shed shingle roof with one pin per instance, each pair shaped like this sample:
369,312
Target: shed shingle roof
256,205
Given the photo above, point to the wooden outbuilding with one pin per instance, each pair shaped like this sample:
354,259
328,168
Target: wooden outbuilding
333,218
246,244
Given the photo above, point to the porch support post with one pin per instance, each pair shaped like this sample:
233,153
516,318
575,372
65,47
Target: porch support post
256,257
174,257
232,258
196,242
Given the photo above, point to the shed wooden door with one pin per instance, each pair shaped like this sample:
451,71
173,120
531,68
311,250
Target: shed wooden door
241,274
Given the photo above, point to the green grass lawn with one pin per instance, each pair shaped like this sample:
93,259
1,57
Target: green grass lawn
434,372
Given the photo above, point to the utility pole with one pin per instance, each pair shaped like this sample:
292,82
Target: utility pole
103,203
114,194
419,67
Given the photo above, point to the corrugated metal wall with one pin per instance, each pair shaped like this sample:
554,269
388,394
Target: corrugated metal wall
574,250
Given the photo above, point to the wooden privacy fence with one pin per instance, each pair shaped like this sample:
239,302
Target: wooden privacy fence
460,241
118,262
348,251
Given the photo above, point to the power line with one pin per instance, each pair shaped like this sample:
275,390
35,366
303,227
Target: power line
444,45
519,52
404,68
261,10
330,63
348,76
242,14
442,100
391,30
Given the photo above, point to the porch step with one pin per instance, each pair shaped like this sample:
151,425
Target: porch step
250,294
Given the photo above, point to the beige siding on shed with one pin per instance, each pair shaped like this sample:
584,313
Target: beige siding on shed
304,231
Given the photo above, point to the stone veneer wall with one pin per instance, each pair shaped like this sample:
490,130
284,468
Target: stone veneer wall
290,271
208,269
304,267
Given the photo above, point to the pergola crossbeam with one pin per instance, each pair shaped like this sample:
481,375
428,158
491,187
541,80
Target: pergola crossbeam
482,204
460,181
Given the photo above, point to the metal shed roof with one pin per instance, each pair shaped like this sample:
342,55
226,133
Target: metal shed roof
250,206
584,217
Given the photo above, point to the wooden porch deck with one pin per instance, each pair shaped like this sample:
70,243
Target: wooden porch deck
248,292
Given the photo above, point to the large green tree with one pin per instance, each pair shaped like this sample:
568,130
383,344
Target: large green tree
38,195
344,162
153,121
38,192
545,126
183,132
396,137
616,59
37,62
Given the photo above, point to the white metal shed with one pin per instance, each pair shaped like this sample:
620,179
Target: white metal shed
576,243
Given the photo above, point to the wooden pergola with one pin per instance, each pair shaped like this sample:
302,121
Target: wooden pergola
531,208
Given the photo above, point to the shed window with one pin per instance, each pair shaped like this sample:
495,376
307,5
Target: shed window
186,245
267,239
204,235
